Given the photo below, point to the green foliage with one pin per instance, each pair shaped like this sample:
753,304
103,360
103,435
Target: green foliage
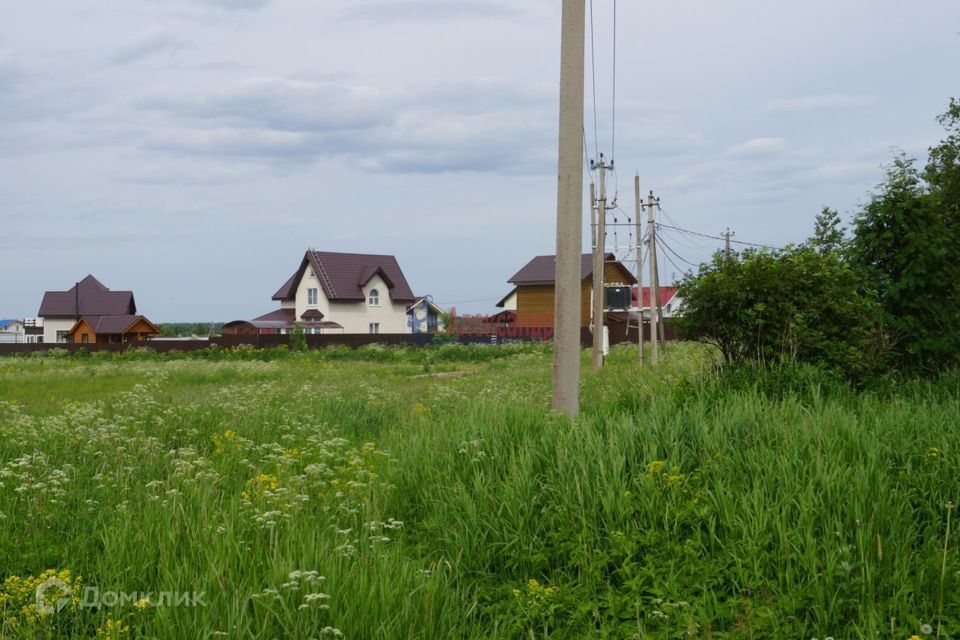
189,329
459,506
829,232
885,300
906,244
782,306
298,339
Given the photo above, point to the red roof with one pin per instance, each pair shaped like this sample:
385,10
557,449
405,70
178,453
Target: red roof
342,276
543,270
666,295
87,297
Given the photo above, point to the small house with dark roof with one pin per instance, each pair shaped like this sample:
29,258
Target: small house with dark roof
338,293
61,310
532,296
112,329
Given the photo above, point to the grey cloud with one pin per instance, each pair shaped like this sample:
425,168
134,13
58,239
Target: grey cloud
815,103
230,5
420,10
144,44
484,126
281,104
757,147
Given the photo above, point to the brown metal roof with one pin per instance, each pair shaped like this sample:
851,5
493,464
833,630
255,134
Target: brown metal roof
113,324
287,292
543,270
87,297
280,315
312,315
342,276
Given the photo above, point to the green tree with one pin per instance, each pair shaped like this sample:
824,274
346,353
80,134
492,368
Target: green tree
298,339
906,245
829,234
791,305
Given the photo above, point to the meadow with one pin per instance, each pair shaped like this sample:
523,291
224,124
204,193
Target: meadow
430,493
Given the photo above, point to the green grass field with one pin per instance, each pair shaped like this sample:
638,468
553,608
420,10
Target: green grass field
430,493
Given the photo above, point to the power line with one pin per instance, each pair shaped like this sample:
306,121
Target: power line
468,301
613,125
663,243
707,235
690,243
593,79
672,263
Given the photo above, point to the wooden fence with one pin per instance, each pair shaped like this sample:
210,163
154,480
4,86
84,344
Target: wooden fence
493,336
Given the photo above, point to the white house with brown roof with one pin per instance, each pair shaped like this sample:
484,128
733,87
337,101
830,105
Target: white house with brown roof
61,310
338,293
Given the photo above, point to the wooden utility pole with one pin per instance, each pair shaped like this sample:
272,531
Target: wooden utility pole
654,292
639,206
566,310
599,253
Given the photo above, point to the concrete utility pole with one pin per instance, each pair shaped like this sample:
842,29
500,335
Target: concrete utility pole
726,237
599,253
639,205
661,325
654,292
566,310
593,215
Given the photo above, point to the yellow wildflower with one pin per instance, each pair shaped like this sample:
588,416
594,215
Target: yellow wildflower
113,629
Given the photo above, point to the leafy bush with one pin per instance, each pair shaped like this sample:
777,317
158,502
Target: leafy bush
795,304
906,244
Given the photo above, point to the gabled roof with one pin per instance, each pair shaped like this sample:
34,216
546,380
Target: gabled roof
429,304
342,276
666,295
87,297
112,324
543,270
287,291
503,301
6,323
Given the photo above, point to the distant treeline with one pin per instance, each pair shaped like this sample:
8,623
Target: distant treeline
187,329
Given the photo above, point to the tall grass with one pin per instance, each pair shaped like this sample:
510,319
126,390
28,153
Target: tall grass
440,498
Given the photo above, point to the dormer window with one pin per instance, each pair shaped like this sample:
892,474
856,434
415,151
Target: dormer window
374,299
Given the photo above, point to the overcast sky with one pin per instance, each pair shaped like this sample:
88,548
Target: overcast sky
191,150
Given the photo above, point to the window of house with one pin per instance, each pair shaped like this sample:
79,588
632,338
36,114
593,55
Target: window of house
374,327
374,298
311,296
84,338
310,273
62,336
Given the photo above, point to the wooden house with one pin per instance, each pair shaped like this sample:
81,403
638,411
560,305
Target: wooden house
534,288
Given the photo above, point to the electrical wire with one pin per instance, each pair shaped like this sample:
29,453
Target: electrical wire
613,124
688,243
666,255
593,78
663,243
707,235
445,302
